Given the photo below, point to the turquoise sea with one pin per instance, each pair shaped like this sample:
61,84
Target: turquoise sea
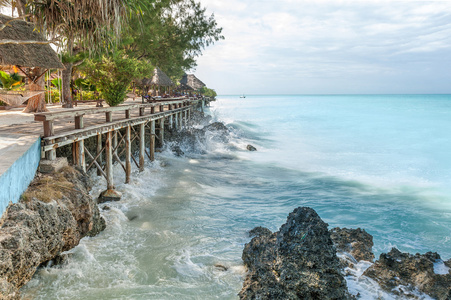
379,162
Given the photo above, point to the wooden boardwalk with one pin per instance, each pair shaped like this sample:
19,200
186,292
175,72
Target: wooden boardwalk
107,126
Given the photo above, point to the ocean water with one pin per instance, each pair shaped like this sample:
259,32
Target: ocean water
381,163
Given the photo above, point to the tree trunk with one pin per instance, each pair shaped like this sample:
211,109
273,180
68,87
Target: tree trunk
66,98
36,103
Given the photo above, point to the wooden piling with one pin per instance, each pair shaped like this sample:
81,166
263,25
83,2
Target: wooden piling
161,132
128,154
99,152
152,140
141,146
49,131
109,194
79,151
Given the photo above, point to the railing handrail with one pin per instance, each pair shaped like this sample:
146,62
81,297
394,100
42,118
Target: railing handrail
48,116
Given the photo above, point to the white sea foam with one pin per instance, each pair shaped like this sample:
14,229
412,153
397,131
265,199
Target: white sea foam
440,268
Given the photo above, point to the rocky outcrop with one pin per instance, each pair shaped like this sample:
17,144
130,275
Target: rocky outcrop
355,242
297,262
54,214
190,139
251,148
405,274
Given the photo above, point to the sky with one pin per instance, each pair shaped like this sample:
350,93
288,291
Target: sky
329,47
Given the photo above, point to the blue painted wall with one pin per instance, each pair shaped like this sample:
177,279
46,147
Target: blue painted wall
18,177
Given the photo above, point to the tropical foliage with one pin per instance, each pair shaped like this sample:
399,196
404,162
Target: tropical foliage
118,38
10,81
208,92
113,74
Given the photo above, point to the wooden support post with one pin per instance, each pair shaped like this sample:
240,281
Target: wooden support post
115,142
109,194
99,150
161,108
141,111
128,154
79,146
109,116
170,121
161,132
152,140
49,131
176,123
141,146
152,110
109,161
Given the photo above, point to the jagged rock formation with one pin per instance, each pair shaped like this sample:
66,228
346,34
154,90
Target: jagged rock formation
54,214
251,148
297,262
404,273
192,137
355,242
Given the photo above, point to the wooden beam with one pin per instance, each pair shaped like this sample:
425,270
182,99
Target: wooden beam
79,149
128,154
161,132
109,160
152,140
99,152
141,147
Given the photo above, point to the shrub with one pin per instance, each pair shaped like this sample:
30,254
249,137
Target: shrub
112,75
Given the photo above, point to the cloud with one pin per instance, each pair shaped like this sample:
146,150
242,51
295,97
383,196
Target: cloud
325,40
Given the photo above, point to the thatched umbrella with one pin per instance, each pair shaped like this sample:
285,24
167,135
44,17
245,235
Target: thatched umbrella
194,82
190,82
159,79
22,46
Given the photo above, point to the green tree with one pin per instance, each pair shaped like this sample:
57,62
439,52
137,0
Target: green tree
172,35
112,74
208,92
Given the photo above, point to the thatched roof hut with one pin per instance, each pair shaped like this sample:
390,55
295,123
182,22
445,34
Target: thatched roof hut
30,54
159,78
192,81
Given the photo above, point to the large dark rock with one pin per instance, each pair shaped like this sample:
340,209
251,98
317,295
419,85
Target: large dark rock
403,273
355,242
55,213
298,262
189,140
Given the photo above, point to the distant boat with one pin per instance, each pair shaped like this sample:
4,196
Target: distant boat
243,96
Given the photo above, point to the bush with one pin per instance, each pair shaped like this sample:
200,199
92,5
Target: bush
112,75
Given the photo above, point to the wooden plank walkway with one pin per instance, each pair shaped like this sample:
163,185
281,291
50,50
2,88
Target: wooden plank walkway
61,127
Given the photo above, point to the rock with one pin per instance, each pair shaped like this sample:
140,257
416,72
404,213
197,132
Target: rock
251,148
297,262
356,242
53,215
395,269
52,166
216,126
192,139
259,231
176,150
221,267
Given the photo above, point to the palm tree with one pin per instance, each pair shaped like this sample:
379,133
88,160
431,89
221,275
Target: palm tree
77,24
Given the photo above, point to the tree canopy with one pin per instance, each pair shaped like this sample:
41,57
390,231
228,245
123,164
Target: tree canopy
169,34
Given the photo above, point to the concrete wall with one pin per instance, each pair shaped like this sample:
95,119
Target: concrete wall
15,180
